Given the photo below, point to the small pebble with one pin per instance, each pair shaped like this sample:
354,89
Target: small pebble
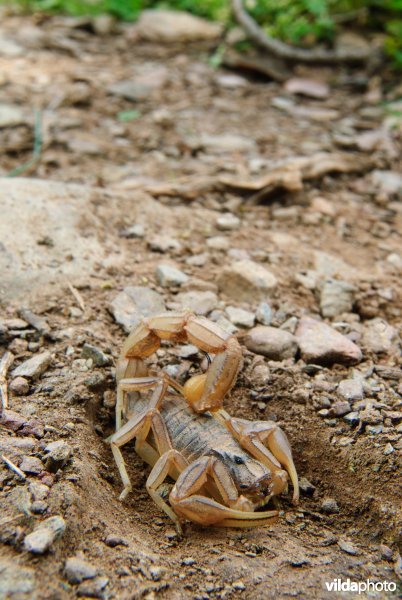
99,358
168,276
389,449
271,342
93,588
228,222
351,389
347,547
114,540
78,569
57,455
306,486
32,465
240,317
44,535
19,386
264,314
188,561
339,409
329,506
34,367
352,418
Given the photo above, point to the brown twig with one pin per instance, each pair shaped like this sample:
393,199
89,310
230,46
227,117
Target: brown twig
5,364
77,296
287,52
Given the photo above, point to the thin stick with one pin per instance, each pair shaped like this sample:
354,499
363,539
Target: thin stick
77,296
13,467
5,363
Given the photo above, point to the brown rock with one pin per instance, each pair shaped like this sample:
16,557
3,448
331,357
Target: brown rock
319,343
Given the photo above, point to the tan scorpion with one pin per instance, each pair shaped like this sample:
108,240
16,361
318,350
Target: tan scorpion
225,468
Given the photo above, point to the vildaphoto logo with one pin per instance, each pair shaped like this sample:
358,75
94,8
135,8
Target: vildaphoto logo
338,585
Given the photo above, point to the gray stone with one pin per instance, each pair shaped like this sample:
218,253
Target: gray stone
39,507
351,389
94,588
16,581
347,547
218,242
34,367
246,281
330,266
312,88
99,358
337,297
306,486
57,455
379,337
39,491
389,449
131,90
264,313
228,222
165,244
19,386
352,418
10,116
201,303
168,276
339,409
271,342
136,231
37,321
78,569
239,316
32,464
329,506
133,303
175,26
319,343
44,535
388,182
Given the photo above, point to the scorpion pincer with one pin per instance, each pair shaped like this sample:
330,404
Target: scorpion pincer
225,468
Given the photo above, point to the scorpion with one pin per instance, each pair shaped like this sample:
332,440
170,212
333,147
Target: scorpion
224,468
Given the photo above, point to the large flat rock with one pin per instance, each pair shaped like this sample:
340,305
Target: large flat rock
51,232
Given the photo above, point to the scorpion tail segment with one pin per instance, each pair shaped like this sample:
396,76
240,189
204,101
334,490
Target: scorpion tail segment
278,444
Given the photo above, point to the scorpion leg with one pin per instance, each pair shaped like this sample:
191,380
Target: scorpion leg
266,441
172,459
187,500
139,427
